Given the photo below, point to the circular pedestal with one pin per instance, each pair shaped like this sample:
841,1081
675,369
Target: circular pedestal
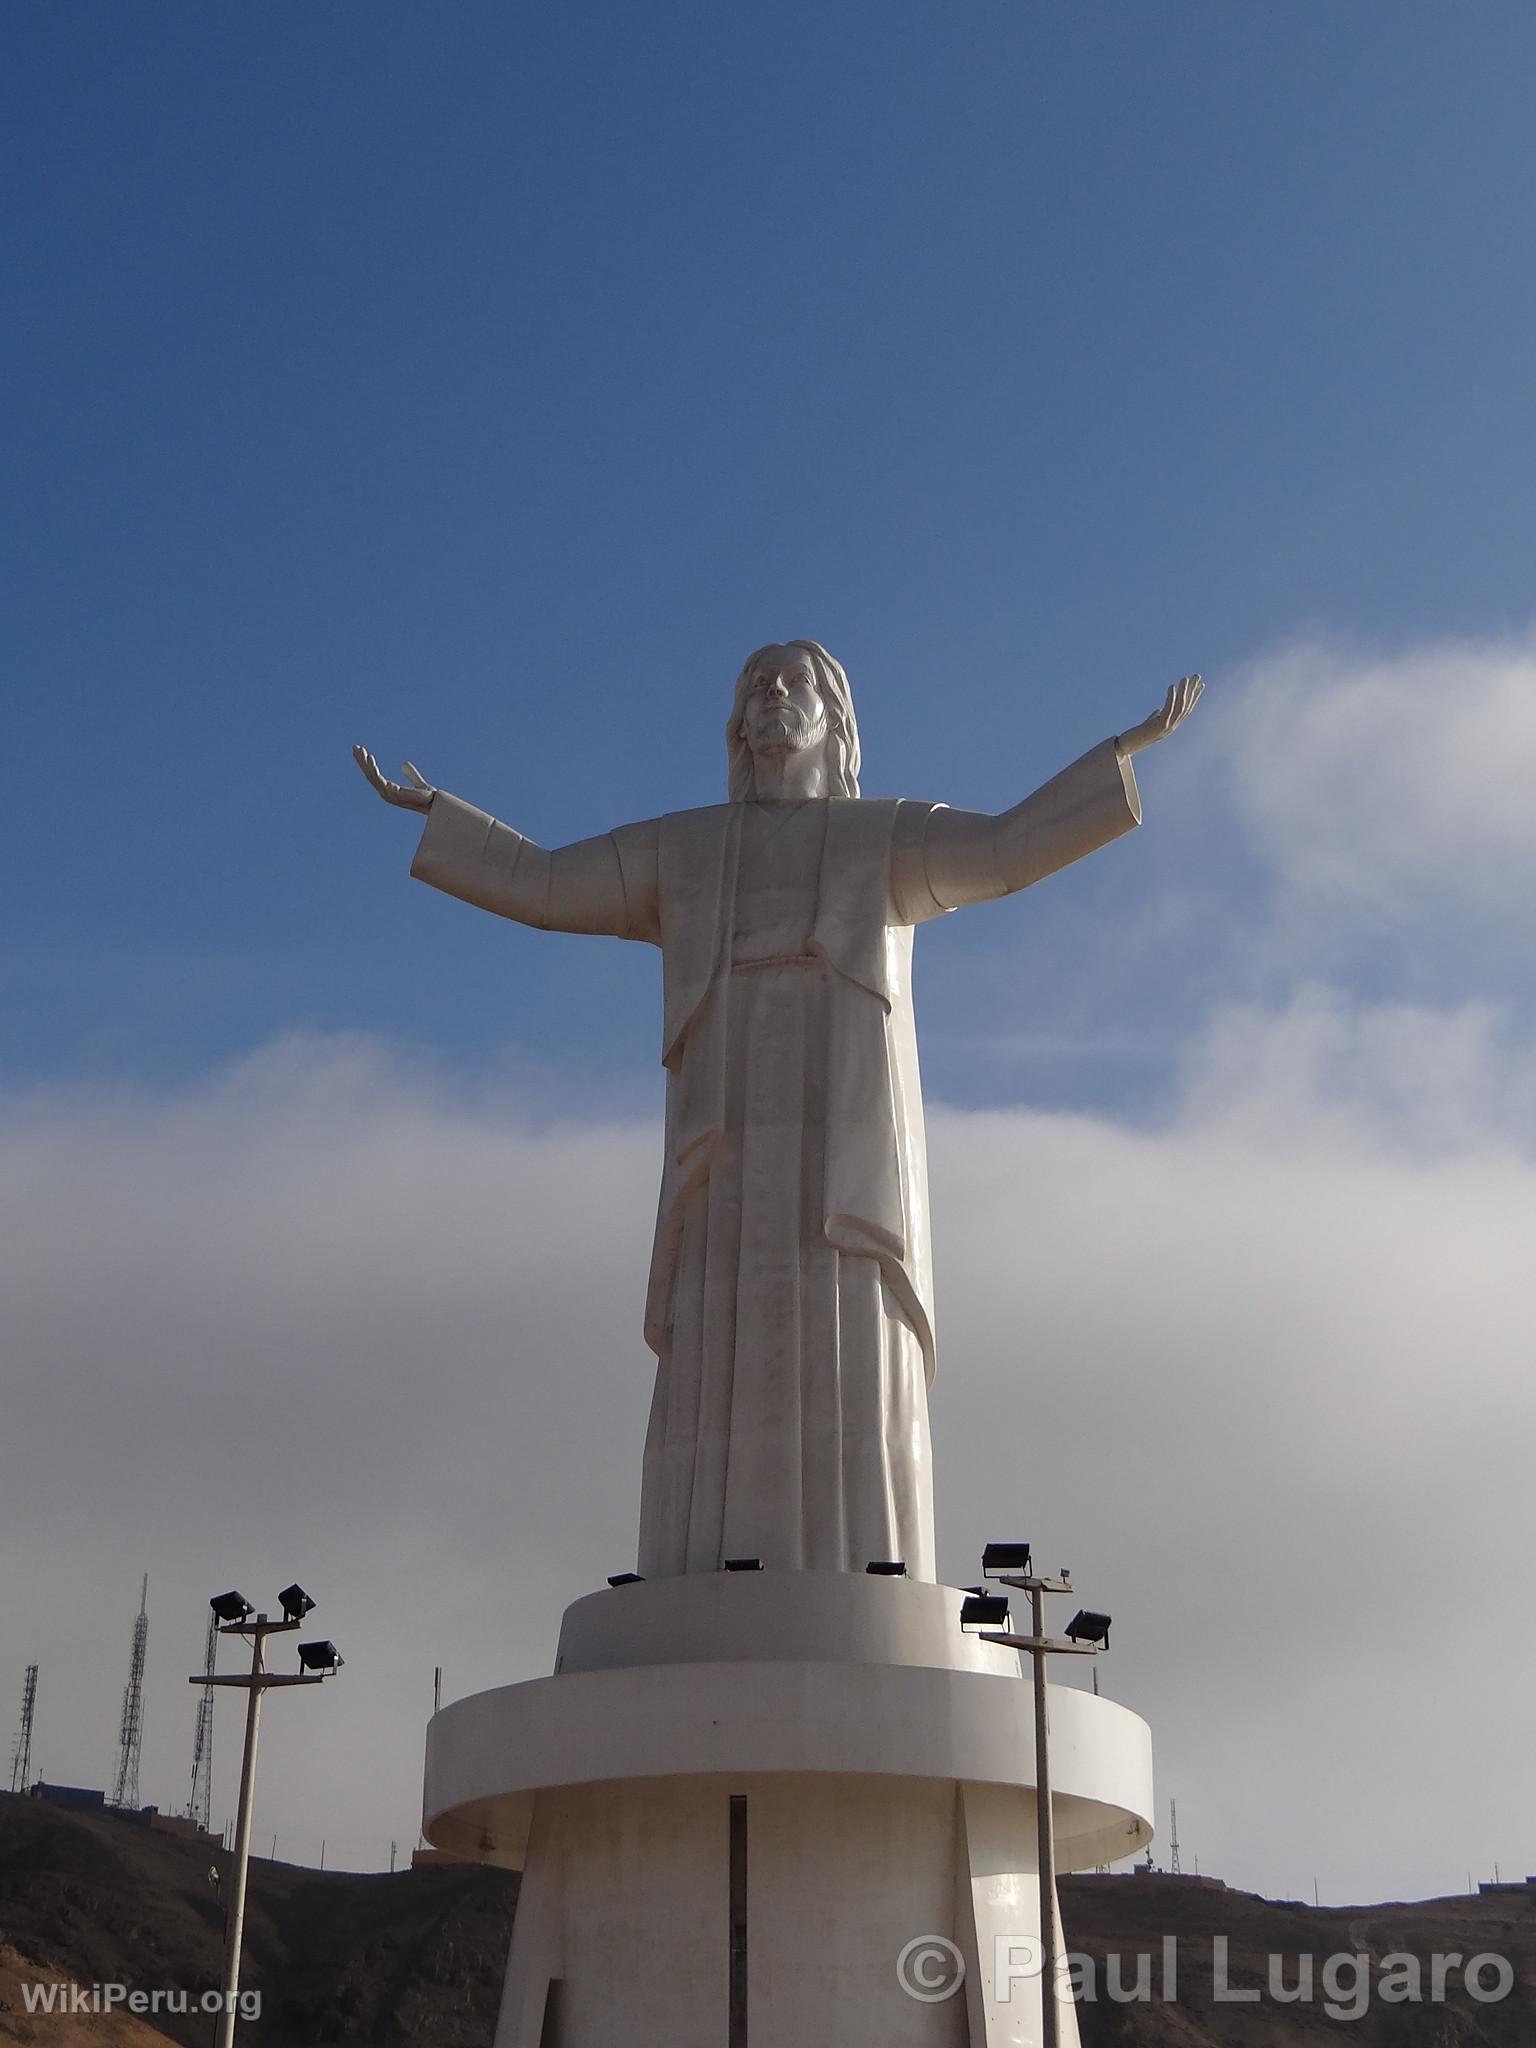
763,1617
762,1787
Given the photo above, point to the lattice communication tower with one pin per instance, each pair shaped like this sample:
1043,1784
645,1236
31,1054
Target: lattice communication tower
200,1805
21,1755
130,1735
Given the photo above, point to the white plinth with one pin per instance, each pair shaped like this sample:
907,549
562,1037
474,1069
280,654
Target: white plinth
886,1763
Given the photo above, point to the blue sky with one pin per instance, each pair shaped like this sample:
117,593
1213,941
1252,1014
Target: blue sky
484,383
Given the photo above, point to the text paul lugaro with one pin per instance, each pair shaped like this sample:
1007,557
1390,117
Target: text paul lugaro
1345,1983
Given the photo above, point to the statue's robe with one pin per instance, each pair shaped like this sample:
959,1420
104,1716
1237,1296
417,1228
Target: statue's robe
790,1302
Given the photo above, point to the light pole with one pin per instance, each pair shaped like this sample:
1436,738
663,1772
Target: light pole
320,1660
1010,1564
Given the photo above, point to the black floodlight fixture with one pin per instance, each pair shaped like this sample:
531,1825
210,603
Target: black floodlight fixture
1088,1627
322,1657
743,1564
231,1607
998,1558
626,1579
984,1610
295,1603
886,1568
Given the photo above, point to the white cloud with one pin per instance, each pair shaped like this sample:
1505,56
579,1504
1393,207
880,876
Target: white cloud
1388,782
1331,815
1331,1071
1261,1375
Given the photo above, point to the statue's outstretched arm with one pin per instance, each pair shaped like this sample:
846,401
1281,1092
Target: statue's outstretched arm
605,885
970,857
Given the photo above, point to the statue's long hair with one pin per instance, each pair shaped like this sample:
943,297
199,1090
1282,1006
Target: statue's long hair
842,726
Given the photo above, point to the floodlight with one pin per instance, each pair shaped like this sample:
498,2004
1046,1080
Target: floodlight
984,1610
322,1657
231,1607
886,1568
1005,1557
295,1603
1088,1627
626,1579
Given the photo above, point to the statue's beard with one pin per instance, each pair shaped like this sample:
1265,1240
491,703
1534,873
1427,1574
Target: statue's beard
790,732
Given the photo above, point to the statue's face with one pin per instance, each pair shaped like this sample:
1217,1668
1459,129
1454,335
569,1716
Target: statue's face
783,712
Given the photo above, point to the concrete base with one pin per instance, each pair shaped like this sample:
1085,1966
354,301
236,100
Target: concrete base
743,1798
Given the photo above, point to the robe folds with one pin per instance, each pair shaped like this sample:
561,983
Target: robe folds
790,1297
789,1303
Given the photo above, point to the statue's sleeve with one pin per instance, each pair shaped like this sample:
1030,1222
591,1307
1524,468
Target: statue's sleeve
605,885
970,857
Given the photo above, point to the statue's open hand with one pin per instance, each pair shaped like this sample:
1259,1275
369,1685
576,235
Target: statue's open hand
417,798
1176,707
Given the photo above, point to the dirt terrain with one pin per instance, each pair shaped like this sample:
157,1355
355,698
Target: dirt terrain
416,1957
338,1957
1132,1916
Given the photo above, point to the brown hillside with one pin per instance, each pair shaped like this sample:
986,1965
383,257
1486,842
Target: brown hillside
394,1961
387,1960
87,2030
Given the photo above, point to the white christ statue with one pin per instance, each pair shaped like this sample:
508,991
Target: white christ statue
790,1304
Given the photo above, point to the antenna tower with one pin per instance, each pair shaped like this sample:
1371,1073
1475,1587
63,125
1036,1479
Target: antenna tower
130,1736
1173,1838
200,1805
21,1755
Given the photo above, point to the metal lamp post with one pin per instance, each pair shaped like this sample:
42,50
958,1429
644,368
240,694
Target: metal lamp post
1009,1564
321,1660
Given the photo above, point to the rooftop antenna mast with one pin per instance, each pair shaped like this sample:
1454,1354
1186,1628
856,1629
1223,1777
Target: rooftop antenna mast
21,1755
200,1804
1173,1838
130,1736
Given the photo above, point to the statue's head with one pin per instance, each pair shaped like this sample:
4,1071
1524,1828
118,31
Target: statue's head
788,700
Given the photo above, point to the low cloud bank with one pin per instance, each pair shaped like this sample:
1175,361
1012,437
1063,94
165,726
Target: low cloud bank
1261,1374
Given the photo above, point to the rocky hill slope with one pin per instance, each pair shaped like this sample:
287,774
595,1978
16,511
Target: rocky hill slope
404,1959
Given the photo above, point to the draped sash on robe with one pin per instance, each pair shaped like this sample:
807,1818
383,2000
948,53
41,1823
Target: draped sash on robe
789,1297
875,1195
